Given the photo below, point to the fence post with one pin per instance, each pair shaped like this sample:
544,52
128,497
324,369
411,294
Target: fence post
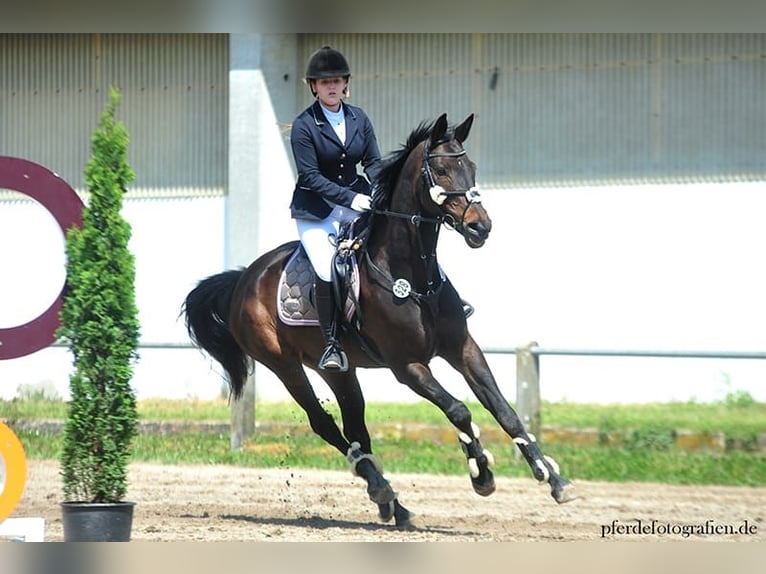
528,388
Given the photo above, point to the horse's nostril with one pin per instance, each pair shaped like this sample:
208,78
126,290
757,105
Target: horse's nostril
480,228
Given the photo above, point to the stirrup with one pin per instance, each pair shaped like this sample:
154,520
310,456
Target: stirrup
467,308
333,359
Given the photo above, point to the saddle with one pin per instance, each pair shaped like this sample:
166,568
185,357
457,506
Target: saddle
295,305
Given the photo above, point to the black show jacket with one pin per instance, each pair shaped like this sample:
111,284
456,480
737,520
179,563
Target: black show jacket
327,169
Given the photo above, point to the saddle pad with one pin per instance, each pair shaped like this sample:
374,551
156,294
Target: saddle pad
294,305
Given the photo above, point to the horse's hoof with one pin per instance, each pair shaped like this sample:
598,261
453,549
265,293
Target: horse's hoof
564,492
402,516
386,511
484,483
484,486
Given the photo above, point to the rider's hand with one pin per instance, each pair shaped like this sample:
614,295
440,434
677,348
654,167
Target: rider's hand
361,202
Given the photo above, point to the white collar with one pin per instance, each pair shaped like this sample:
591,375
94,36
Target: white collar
335,118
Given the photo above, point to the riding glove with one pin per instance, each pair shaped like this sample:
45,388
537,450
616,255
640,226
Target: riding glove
361,202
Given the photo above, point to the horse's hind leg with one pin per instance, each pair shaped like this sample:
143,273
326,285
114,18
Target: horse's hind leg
379,489
292,375
345,387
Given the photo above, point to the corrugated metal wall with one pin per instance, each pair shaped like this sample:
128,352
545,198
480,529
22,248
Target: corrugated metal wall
54,87
552,109
569,109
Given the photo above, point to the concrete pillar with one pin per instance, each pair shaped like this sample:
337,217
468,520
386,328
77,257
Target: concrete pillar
260,172
241,243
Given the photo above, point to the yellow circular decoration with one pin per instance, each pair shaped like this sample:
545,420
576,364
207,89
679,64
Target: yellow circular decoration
12,453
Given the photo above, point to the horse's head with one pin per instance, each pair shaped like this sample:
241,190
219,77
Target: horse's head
450,191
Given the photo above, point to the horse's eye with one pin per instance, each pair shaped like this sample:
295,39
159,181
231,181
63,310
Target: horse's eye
441,171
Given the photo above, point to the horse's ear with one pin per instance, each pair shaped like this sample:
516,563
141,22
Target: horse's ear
439,129
462,131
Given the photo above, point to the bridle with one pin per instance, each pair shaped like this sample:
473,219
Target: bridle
428,256
438,195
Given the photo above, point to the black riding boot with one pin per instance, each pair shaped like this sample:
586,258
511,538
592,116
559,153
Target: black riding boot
333,358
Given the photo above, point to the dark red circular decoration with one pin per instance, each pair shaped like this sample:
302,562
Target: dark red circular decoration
58,197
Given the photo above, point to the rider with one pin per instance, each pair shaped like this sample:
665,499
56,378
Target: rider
329,139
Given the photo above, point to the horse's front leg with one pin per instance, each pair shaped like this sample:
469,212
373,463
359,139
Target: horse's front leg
419,378
472,364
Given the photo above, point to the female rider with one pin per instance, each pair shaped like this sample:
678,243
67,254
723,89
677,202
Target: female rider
329,140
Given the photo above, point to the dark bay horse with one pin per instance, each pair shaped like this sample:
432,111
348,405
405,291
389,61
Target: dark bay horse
409,313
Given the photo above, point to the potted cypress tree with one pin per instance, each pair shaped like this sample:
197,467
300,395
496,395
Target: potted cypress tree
99,321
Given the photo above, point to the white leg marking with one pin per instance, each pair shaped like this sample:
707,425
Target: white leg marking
475,429
521,441
532,437
490,458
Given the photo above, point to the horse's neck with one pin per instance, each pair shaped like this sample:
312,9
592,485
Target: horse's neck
405,249
399,245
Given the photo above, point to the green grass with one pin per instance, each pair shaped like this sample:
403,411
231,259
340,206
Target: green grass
669,465
647,455
729,417
153,409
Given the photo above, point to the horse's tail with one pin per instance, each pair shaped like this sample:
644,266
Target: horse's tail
207,321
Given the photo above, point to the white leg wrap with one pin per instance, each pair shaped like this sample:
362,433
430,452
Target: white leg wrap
464,438
541,465
467,439
532,438
355,455
553,463
473,465
473,468
521,441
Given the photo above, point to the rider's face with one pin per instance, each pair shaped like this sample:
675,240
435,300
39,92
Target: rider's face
330,91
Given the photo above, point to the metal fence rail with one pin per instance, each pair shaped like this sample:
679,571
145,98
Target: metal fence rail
528,369
672,354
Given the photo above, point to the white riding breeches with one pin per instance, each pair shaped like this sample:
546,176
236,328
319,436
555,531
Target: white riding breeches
319,238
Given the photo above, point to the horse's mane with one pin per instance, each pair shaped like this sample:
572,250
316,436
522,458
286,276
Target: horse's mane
393,163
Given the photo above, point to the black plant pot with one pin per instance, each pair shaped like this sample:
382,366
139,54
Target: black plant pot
97,522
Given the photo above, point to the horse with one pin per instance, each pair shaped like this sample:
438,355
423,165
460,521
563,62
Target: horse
408,312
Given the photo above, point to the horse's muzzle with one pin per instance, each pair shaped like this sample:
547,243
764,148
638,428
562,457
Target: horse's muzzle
476,233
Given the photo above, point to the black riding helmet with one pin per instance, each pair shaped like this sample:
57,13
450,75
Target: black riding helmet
327,62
